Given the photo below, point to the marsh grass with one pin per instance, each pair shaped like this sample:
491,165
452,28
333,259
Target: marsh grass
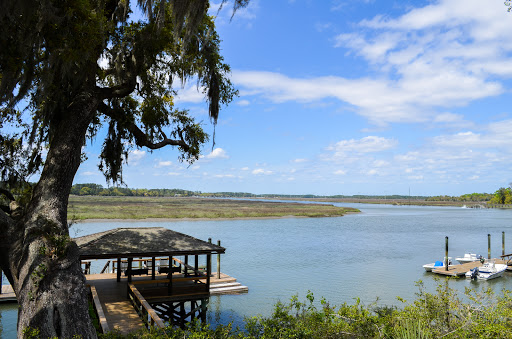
98,207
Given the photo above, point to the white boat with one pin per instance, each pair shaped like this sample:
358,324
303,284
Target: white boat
468,257
489,270
437,264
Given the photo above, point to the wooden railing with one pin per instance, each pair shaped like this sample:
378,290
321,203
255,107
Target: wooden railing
106,267
143,309
98,310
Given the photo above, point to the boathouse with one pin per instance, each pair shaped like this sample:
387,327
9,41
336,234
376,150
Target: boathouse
152,274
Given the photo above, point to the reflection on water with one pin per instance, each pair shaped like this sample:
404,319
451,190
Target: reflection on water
376,254
8,319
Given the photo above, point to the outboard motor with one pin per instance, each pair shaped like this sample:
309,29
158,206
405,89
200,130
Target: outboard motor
474,273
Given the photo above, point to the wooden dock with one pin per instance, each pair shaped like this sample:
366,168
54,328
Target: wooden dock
120,313
118,310
458,270
7,295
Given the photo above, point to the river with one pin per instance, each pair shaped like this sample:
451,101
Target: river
376,254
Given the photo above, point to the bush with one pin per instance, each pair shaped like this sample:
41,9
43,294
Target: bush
442,314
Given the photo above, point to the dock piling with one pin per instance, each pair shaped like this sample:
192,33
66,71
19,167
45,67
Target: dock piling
488,246
218,261
502,243
446,254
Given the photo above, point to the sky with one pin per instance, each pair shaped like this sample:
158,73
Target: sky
350,97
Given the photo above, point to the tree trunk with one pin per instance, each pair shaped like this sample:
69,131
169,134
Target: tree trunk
38,257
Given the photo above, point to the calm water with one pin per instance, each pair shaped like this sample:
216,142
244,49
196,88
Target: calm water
375,254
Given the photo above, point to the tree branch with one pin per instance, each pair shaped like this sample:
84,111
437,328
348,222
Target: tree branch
125,88
7,194
141,138
119,91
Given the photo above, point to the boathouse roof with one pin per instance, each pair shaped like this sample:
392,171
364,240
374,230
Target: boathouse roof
141,242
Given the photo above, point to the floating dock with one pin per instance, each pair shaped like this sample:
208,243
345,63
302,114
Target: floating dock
462,269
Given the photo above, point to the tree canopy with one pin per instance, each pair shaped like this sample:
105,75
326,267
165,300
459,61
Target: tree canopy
131,67
69,68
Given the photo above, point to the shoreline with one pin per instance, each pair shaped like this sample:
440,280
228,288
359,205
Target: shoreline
85,221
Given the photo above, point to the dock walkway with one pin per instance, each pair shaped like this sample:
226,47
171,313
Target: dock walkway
119,311
458,270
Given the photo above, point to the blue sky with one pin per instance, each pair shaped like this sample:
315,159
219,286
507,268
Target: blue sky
350,97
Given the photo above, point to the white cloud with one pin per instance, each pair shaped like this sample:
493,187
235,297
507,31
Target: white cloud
89,173
224,176
134,156
190,94
217,153
340,172
173,174
245,168
380,163
300,160
446,54
494,135
260,171
369,144
243,102
163,164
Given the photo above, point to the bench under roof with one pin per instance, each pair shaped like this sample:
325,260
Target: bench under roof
142,242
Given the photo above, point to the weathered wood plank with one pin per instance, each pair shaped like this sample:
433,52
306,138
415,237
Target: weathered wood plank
457,270
99,310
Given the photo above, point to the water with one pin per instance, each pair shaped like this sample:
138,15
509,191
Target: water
378,253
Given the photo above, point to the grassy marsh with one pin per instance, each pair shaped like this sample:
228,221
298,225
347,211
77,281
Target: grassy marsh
101,207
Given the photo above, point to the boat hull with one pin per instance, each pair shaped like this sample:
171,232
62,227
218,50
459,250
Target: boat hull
487,272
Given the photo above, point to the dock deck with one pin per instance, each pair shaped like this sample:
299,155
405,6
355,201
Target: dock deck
119,311
458,270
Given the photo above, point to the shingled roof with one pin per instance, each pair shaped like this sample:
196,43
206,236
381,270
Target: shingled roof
142,242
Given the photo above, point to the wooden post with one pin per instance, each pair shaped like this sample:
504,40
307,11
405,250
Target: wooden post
218,261
169,286
186,266
204,304
118,269
129,269
488,246
502,243
208,271
196,262
153,268
446,254
1,274
182,315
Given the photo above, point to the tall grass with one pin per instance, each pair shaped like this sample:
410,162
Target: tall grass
97,207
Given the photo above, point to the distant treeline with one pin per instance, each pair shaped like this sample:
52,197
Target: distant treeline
95,189
501,196
473,197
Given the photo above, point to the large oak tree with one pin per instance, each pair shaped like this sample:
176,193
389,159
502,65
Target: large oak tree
54,95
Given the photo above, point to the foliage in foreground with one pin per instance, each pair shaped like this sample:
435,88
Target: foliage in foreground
442,314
